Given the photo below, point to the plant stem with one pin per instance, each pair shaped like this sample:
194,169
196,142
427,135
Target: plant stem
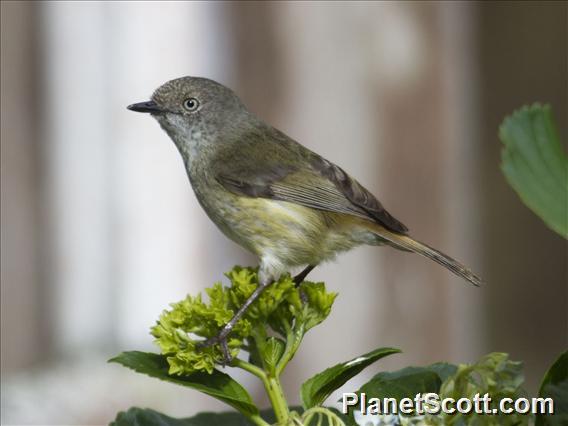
273,389
332,418
257,420
254,370
277,399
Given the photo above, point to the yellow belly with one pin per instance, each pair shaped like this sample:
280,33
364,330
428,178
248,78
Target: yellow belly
288,235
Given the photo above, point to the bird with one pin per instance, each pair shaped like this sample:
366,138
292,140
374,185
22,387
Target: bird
270,194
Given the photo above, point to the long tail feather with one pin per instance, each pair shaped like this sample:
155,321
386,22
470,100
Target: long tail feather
407,243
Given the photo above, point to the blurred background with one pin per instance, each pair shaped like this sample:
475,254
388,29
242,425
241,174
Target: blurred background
101,230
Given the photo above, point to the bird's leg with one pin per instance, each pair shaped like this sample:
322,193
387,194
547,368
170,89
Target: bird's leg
221,338
302,275
298,279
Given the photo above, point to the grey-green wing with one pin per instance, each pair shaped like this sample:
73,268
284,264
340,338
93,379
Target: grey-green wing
268,164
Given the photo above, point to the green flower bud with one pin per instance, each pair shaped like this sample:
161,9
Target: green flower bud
179,330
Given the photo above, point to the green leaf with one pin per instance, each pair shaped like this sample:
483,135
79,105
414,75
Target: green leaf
273,350
146,417
493,373
535,164
444,370
319,387
218,385
555,386
405,383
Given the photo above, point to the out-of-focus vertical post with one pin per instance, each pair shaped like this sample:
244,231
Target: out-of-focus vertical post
466,322
75,149
22,316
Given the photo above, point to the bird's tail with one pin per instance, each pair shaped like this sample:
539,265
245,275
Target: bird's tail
405,242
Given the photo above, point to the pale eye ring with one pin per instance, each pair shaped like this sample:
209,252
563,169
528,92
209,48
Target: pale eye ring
191,104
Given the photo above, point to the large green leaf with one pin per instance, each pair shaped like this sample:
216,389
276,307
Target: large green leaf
535,164
218,385
405,383
319,387
555,386
443,369
147,417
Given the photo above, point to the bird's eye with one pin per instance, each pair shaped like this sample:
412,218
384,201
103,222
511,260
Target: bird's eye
191,104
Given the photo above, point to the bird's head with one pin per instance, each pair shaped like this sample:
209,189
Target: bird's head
190,108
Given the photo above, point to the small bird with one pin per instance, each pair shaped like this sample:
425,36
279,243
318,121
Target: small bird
268,193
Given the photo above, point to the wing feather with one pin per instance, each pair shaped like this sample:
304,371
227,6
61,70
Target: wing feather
282,169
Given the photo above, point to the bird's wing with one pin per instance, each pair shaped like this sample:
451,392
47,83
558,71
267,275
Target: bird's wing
281,169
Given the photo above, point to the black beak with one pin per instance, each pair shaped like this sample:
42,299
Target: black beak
148,106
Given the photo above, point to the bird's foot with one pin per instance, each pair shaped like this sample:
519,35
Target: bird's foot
303,296
221,340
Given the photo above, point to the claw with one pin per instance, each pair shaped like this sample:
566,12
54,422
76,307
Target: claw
303,297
